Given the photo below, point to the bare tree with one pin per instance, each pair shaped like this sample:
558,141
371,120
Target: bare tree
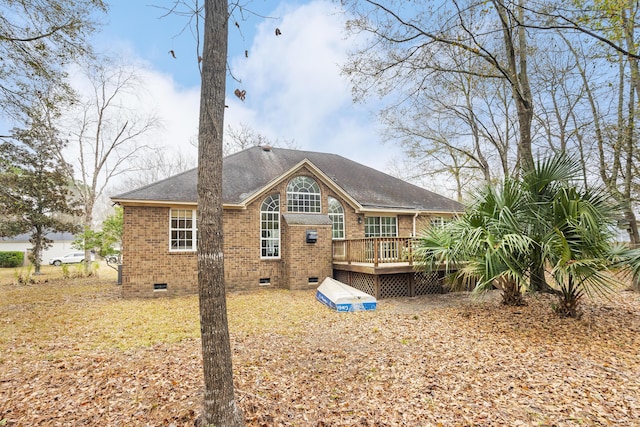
404,51
243,137
220,407
157,164
37,39
105,135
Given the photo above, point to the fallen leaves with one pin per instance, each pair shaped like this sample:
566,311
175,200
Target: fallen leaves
77,354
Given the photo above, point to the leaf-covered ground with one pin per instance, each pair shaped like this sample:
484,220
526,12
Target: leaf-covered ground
74,353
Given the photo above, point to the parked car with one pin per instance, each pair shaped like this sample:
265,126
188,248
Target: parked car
72,258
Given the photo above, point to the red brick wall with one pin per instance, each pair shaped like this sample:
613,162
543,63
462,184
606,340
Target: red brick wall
146,257
307,260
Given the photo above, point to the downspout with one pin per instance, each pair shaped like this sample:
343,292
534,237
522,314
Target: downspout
414,223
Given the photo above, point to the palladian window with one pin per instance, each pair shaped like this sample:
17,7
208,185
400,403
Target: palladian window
303,195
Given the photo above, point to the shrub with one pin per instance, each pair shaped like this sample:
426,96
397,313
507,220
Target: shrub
24,276
11,259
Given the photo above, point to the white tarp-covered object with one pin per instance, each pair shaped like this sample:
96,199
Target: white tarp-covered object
342,297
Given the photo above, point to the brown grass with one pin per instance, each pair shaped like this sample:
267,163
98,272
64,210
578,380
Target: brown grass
74,353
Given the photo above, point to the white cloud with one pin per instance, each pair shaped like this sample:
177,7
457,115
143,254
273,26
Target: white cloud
177,108
295,89
153,94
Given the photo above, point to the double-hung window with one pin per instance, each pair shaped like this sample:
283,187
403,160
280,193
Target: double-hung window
380,226
183,231
439,221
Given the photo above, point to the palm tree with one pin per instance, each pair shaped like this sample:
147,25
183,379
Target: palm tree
487,246
514,235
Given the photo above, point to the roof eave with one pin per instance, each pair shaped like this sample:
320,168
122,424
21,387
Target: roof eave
378,210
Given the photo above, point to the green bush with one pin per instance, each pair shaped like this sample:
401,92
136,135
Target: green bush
11,259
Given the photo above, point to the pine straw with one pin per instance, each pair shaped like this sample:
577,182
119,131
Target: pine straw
76,354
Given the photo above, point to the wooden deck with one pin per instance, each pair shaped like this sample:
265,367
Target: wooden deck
374,250
382,267
371,268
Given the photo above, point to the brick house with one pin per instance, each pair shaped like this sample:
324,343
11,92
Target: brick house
284,210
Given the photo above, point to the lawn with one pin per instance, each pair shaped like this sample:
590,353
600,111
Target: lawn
72,352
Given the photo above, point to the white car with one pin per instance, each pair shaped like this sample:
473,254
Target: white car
72,258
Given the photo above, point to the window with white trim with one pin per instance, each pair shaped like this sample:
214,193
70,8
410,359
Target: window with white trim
439,221
380,226
303,195
336,215
270,227
183,230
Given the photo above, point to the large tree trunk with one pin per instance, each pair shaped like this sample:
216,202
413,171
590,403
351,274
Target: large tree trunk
219,402
515,44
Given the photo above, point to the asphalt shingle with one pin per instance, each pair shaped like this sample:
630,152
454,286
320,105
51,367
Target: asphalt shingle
247,172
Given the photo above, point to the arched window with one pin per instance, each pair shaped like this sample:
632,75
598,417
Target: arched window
270,227
303,195
336,214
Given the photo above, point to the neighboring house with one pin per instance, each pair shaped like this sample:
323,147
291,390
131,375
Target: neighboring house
291,218
61,245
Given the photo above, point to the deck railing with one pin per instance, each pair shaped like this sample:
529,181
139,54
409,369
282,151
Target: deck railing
374,250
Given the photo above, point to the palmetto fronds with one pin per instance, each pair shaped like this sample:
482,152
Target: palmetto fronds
512,233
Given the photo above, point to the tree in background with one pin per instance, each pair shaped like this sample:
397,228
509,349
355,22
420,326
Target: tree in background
105,136
460,81
35,194
220,407
106,241
480,41
37,40
243,137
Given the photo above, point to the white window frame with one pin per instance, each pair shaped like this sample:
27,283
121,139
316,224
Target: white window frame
336,214
439,221
381,226
303,195
270,247
176,228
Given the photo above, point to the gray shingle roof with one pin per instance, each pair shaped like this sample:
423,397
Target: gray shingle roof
247,172
306,219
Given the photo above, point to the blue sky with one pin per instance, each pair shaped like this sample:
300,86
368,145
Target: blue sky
295,91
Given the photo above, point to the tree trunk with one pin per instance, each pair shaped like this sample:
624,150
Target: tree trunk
36,252
219,402
630,133
515,44
86,228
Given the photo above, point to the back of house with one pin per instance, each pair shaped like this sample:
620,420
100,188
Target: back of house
283,213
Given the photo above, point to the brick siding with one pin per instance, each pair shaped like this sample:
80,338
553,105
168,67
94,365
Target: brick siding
147,260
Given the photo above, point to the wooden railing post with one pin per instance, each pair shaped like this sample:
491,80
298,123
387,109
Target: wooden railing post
376,251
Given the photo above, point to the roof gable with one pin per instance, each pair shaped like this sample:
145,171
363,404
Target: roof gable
295,170
248,173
